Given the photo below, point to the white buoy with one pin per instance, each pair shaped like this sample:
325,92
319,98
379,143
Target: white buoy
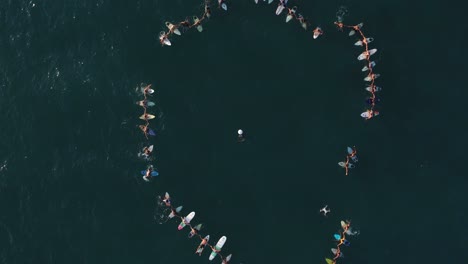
240,132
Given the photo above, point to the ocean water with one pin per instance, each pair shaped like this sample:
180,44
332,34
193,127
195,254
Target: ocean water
70,189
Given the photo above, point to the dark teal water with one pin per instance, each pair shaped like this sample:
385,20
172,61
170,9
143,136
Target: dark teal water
70,191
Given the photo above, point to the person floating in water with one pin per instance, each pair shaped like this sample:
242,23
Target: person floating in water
325,210
185,24
240,136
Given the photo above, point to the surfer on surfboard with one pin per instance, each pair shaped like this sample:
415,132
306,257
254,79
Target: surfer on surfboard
346,165
317,32
148,150
207,11
175,212
146,116
352,153
167,199
148,173
146,90
227,259
146,130
194,230
202,245
369,114
303,21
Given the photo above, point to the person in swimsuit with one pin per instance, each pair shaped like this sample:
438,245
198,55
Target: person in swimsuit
167,201
207,11
352,155
146,90
194,230
371,113
148,172
145,116
318,31
302,20
145,129
201,246
146,151
185,24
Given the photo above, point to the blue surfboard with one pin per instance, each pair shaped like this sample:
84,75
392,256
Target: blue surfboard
153,173
151,132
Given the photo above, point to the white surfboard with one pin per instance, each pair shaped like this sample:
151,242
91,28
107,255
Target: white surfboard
372,77
196,20
342,164
186,220
227,259
148,117
279,9
343,224
218,247
368,115
290,15
173,28
163,39
367,54
376,88
317,32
